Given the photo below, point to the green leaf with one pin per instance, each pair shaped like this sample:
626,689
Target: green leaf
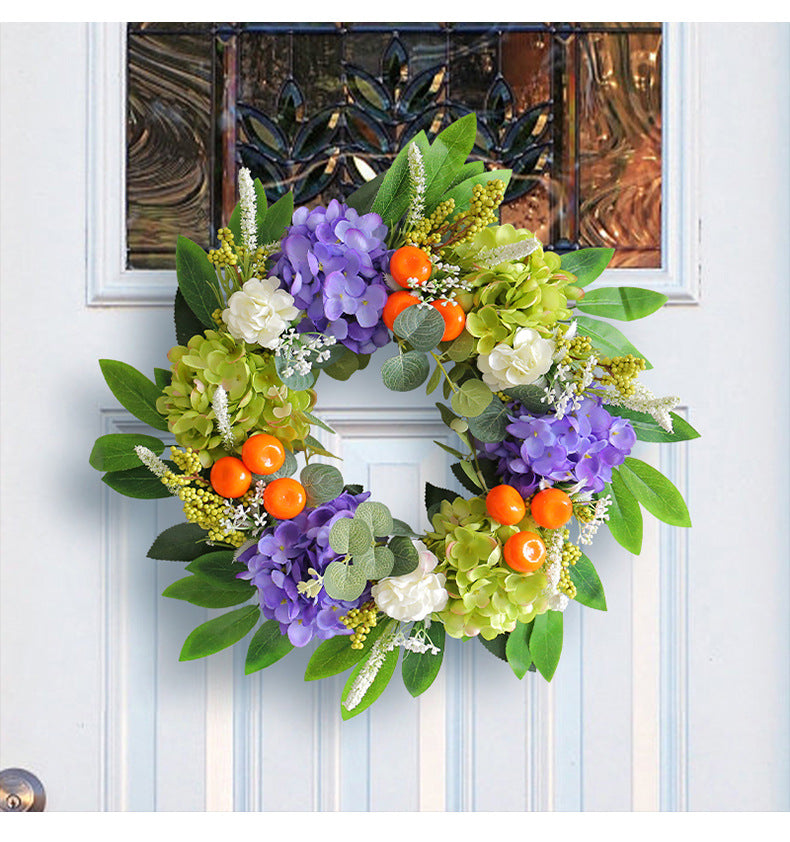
545,642
197,280
647,429
134,392
182,542
434,380
344,365
400,527
360,537
315,421
445,158
384,562
608,339
586,264
163,377
421,327
316,447
186,322
376,515
115,452
322,483
589,590
335,655
497,646
655,492
296,381
210,593
267,646
491,424
278,218
138,482
435,495
517,649
462,192
463,478
468,170
624,303
420,669
451,450
288,469
406,371
345,581
472,398
339,535
625,516
218,565
362,198
470,472
461,348
376,688
219,633
530,397
406,556
392,199
261,204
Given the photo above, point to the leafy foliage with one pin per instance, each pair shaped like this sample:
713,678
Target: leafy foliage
134,392
219,633
115,452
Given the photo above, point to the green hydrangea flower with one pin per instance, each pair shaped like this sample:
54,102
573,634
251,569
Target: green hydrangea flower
257,399
522,293
486,597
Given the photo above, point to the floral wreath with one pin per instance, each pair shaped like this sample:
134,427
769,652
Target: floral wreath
542,396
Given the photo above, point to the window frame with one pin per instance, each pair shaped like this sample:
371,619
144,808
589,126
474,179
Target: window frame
111,283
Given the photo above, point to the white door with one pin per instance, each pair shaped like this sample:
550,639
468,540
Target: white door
677,698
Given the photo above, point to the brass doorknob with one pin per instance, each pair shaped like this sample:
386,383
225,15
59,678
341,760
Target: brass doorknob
21,792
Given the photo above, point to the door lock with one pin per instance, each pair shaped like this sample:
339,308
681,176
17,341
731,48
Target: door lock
21,792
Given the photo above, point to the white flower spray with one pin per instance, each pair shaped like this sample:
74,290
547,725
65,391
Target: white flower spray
600,516
643,400
367,675
248,211
509,252
154,464
219,403
552,567
417,184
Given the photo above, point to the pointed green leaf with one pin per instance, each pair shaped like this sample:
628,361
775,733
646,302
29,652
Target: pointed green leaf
608,339
278,218
624,303
589,590
139,483
218,565
182,542
392,199
517,649
116,451
163,377
210,593
134,392
219,633
400,527
335,655
647,429
268,645
445,158
315,421
463,478
363,197
497,646
419,670
655,492
545,642
625,516
187,324
586,264
197,280
462,192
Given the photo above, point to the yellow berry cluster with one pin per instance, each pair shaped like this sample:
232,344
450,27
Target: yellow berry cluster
583,512
225,255
428,231
187,460
217,317
570,555
486,198
622,371
362,620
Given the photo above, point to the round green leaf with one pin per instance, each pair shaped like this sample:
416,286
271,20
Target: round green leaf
491,424
344,581
338,535
421,327
472,398
322,483
376,515
406,371
384,562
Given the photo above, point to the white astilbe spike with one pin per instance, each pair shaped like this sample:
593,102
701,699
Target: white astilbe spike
417,183
552,567
248,211
219,403
511,251
367,675
643,400
600,516
154,464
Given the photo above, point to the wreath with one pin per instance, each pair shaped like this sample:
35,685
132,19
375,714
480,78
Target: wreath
542,398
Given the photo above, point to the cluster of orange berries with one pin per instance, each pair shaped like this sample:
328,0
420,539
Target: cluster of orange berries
551,508
409,263
261,454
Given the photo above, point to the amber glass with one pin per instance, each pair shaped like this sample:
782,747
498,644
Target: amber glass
574,110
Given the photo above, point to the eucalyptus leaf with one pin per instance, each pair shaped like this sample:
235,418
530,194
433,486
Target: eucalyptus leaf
419,669
491,424
134,392
608,339
339,535
219,633
268,645
406,371
586,264
197,280
530,397
655,492
433,380
116,451
461,348
545,642
322,483
623,303
384,562
343,366
376,515
472,398
589,590
393,197
360,537
288,468
421,327
625,516
344,581
406,556
400,527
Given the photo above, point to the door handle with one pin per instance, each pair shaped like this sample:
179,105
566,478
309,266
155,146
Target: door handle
21,792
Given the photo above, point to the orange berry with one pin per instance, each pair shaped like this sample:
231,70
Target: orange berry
263,454
454,318
396,304
551,508
525,552
410,262
505,505
284,498
230,477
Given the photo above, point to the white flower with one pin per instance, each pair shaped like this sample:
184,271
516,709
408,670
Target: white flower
526,362
259,312
415,595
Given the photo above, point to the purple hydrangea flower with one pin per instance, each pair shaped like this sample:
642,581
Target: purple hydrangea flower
582,447
282,559
332,263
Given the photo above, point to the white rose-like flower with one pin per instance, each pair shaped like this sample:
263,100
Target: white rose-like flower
526,362
415,595
259,312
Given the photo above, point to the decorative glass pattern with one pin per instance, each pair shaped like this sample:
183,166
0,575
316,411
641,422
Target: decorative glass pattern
573,109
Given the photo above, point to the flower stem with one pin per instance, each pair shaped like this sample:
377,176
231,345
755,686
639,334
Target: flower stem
444,371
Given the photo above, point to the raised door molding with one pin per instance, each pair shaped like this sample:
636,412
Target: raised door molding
110,283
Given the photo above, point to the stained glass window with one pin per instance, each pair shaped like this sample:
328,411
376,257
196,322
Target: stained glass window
573,109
